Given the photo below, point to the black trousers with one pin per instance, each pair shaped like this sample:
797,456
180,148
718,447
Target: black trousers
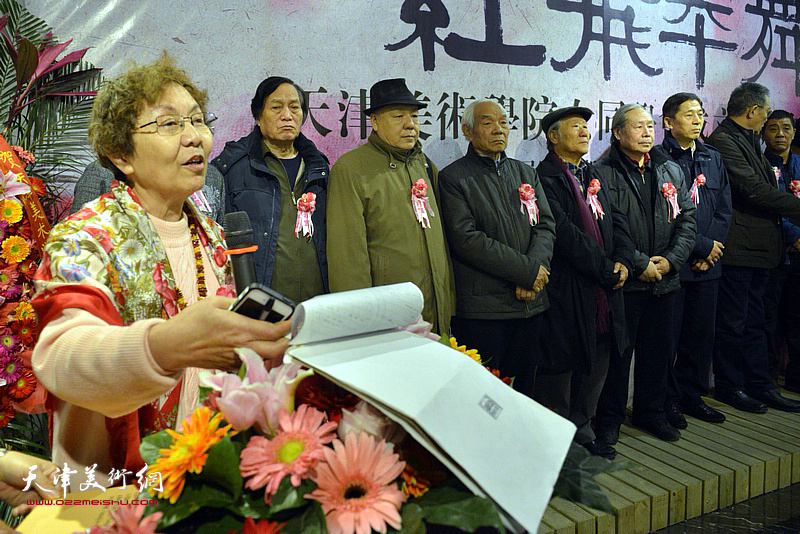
695,320
740,348
508,345
782,317
650,321
574,395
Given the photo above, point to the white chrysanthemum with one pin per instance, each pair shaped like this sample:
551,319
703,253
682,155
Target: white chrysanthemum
131,250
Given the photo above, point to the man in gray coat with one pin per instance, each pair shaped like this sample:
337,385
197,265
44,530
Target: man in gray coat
754,245
501,246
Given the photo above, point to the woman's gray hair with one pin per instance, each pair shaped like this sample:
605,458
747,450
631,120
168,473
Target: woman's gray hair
621,118
468,118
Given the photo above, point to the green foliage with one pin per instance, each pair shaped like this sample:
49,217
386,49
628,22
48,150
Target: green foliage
289,498
454,508
45,102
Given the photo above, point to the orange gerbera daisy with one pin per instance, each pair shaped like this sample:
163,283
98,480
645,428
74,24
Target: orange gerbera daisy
472,353
25,329
262,527
10,211
356,486
295,450
15,249
22,388
189,451
6,414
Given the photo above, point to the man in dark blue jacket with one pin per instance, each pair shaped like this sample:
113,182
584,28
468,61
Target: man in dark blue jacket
272,174
649,189
696,306
783,291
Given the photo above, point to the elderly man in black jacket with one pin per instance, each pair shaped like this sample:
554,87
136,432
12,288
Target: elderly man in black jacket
705,176
500,231
754,246
649,189
592,257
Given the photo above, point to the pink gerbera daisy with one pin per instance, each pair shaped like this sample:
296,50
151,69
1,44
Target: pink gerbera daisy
356,486
128,520
11,370
295,450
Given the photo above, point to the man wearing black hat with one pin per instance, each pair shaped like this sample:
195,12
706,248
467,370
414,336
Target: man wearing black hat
696,307
592,256
501,254
272,174
384,224
648,188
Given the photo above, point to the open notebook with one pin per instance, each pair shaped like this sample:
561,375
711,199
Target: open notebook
500,443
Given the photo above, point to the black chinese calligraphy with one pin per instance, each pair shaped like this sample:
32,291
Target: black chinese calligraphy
491,50
784,14
606,15
699,39
426,22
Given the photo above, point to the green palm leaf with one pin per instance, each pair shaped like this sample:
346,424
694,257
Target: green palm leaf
52,123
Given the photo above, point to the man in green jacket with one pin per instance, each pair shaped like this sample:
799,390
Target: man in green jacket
384,224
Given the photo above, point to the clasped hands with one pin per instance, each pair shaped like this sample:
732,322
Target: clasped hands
657,268
541,280
703,265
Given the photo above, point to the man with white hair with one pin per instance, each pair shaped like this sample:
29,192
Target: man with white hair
501,233
649,189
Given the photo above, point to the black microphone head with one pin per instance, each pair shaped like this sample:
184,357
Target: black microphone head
238,232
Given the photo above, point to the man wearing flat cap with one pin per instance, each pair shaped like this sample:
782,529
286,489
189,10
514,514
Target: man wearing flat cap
593,255
501,246
384,223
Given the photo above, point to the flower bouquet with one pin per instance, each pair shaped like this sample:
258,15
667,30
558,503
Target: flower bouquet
20,245
249,460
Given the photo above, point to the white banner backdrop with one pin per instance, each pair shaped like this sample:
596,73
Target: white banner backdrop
531,56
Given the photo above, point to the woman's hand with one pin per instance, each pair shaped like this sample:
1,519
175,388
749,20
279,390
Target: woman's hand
14,469
205,335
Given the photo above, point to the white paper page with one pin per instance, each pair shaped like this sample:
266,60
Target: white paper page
356,312
515,458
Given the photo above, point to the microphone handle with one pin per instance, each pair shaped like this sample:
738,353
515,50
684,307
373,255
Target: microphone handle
244,270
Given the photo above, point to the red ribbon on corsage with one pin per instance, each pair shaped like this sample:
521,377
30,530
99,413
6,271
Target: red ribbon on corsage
794,187
306,206
422,206
699,182
527,197
777,172
594,202
671,194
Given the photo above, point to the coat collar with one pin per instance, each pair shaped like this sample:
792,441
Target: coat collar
393,152
485,161
312,157
674,149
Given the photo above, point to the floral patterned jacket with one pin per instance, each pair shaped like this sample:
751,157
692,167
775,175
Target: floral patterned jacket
112,245
108,259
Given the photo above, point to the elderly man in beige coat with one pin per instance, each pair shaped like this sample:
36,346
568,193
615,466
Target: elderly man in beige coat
384,224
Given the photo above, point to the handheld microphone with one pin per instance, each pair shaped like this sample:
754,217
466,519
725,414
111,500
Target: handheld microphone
239,238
